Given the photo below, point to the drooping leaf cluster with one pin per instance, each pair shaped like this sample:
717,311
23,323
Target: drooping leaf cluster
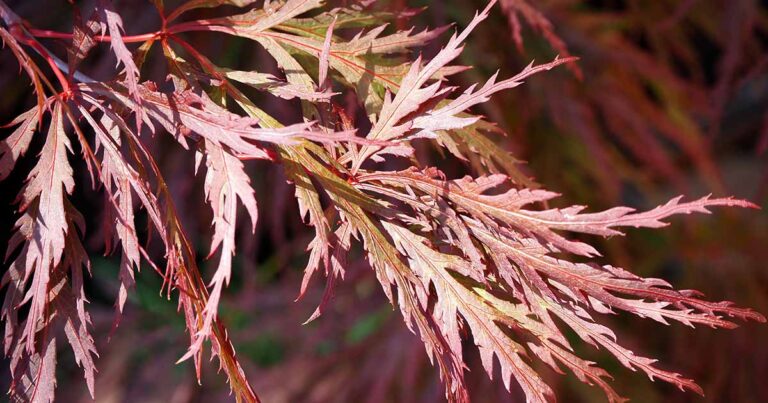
479,258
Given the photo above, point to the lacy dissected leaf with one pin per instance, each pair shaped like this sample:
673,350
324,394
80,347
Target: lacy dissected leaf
44,225
68,300
448,117
519,242
15,145
325,53
358,63
357,60
550,351
50,251
480,257
114,24
225,183
275,86
354,208
414,92
351,16
186,112
181,272
277,13
472,143
271,15
453,299
83,40
34,372
310,208
307,196
193,4
117,173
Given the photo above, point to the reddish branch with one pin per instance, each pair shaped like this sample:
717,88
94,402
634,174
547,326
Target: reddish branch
41,33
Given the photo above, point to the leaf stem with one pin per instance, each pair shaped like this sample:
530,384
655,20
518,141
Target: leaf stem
20,34
42,33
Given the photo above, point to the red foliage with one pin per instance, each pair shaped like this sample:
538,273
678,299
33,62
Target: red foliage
483,254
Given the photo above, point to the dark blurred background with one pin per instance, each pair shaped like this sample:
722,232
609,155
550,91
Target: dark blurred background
669,97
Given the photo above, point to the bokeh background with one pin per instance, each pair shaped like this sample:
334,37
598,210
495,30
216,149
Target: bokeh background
668,98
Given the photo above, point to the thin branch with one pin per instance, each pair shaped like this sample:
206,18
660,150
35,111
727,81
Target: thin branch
13,21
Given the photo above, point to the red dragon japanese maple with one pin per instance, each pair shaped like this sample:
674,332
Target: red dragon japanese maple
483,255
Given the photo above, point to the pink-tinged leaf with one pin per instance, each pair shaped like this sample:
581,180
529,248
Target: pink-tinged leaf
324,54
259,20
34,373
33,370
193,4
466,192
390,270
334,271
181,273
371,42
225,183
319,253
82,39
43,200
602,223
275,86
15,145
596,334
453,299
13,282
310,210
412,93
114,24
520,244
284,12
69,303
586,371
116,172
122,169
349,59
447,117
531,316
185,113
130,258
605,284
480,258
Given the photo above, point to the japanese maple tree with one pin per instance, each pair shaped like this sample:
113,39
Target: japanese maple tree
481,258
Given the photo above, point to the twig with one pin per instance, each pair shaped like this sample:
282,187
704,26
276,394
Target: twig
11,20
